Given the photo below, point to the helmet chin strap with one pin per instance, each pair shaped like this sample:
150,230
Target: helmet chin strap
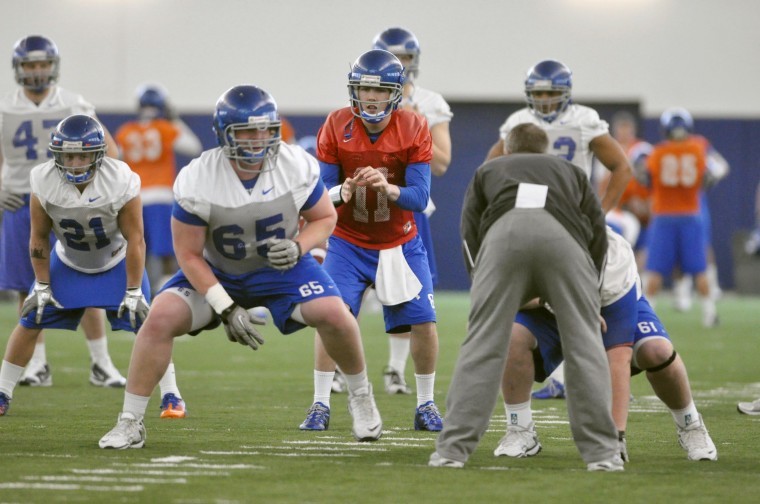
246,165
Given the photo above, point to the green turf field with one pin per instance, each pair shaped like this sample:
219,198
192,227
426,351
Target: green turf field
241,443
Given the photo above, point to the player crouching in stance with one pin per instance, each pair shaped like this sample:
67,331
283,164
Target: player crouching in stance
99,258
630,321
235,230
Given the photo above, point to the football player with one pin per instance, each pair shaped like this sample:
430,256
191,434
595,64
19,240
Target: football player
677,172
92,204
717,169
431,105
27,117
376,160
635,340
577,134
148,146
235,230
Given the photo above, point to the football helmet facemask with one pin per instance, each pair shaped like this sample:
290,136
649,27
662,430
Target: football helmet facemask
151,101
399,41
78,134
376,68
248,107
676,123
32,49
552,76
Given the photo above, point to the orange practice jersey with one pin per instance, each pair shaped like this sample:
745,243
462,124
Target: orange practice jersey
676,170
369,220
148,148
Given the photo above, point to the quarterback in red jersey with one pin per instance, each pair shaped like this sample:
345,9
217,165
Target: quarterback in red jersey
376,160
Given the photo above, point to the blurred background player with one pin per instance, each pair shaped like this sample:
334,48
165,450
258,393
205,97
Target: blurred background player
717,169
92,204
404,45
27,117
577,134
677,169
630,216
148,145
376,160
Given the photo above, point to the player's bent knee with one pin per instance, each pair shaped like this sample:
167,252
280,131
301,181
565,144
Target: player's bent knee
663,365
189,316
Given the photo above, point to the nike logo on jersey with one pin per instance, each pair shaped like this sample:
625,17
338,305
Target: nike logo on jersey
347,139
267,191
93,199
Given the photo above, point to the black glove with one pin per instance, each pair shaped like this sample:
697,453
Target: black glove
239,326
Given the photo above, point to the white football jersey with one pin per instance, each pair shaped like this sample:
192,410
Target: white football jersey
430,104
25,132
620,273
569,134
86,224
241,221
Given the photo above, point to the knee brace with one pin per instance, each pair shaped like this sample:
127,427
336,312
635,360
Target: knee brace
664,364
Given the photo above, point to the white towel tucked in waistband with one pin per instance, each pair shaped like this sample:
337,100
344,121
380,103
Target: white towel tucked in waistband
395,281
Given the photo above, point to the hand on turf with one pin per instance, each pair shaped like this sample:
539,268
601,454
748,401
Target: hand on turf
39,298
239,326
136,304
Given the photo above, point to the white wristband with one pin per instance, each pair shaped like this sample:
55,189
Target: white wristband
218,298
335,195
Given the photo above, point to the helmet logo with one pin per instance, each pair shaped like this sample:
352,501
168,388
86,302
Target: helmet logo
71,146
370,80
547,84
259,122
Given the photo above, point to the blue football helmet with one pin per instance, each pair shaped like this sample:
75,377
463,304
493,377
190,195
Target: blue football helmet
248,107
399,41
676,123
376,68
36,48
151,99
549,75
75,135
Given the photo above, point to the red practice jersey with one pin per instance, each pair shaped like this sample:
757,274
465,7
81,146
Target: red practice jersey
676,169
370,220
148,148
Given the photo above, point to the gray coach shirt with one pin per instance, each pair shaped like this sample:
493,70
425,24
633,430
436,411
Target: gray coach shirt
533,181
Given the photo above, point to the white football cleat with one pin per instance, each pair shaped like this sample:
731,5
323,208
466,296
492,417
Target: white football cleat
519,442
614,464
749,408
128,433
106,375
437,461
368,426
37,374
696,441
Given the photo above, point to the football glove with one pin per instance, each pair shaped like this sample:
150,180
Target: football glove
39,298
239,326
136,304
284,254
10,201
